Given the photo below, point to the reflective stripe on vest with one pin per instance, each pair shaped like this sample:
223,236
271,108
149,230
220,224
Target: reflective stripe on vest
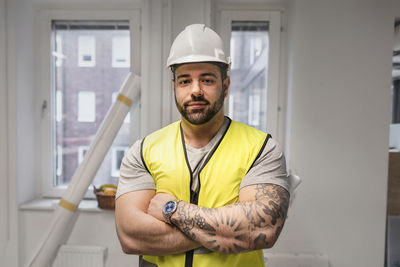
164,155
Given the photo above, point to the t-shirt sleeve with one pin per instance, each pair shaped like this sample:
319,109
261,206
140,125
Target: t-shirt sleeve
133,174
269,168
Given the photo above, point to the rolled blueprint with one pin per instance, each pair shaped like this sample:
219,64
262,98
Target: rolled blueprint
63,217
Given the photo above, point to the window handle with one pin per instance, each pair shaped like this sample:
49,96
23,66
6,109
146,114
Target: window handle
44,107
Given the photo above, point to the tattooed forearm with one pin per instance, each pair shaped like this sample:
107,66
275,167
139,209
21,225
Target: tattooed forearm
240,227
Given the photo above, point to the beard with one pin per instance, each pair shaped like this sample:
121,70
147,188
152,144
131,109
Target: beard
200,116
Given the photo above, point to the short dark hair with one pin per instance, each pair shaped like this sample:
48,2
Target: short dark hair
223,68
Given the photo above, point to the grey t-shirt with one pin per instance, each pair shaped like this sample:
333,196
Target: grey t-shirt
270,167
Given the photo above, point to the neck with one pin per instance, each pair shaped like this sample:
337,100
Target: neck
200,135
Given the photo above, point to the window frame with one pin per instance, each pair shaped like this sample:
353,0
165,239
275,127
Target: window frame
46,93
275,100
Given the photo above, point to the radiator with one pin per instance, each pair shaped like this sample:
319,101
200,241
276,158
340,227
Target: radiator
80,256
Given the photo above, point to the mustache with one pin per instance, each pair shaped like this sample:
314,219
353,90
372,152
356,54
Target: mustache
199,98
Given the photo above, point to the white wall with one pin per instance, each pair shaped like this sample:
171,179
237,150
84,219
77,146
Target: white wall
3,133
339,67
25,93
8,117
340,61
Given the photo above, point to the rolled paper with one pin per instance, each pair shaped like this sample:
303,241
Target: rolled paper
60,226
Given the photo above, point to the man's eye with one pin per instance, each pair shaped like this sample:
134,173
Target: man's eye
208,81
184,82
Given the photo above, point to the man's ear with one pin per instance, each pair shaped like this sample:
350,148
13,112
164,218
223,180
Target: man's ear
225,85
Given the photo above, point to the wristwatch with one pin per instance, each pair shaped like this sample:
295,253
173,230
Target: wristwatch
169,209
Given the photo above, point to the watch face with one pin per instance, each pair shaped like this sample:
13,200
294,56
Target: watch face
169,206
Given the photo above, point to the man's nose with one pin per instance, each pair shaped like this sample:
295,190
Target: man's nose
196,88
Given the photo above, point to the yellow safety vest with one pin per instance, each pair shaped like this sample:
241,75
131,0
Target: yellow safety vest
164,155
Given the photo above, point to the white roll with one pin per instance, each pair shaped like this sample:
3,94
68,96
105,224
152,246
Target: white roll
62,221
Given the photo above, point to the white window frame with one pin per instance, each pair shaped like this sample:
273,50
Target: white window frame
59,105
114,167
275,100
59,158
46,14
59,53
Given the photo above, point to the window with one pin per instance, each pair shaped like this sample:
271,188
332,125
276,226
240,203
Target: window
117,153
396,100
79,88
394,137
250,74
252,39
120,51
86,106
87,51
396,76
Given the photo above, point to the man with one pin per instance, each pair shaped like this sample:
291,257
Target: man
203,191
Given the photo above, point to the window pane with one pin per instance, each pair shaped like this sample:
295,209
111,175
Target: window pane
396,101
249,74
84,82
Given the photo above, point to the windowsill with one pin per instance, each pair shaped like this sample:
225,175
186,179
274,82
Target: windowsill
50,204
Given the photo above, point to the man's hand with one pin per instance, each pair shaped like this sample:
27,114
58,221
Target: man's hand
253,223
157,203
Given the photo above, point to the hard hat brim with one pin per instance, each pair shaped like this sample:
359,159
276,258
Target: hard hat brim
195,59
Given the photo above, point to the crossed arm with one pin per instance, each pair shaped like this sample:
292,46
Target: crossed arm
141,233
253,223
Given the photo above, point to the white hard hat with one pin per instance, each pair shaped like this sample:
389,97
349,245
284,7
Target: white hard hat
197,43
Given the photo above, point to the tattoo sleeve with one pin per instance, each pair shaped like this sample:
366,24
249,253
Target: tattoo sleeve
240,227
